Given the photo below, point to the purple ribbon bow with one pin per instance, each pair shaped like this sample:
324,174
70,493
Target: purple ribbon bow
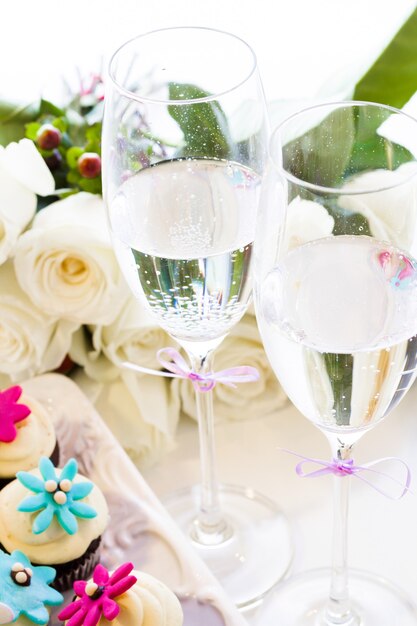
178,367
347,467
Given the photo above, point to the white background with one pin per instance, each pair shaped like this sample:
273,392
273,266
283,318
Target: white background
300,44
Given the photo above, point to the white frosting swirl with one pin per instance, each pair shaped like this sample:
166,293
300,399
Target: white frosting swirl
54,545
35,438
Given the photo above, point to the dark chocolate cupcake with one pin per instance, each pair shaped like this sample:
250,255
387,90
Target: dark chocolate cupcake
26,434
56,517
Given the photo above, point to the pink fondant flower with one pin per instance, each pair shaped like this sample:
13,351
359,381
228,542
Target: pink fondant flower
11,412
96,597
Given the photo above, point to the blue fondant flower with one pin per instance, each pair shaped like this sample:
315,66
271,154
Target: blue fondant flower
24,588
56,496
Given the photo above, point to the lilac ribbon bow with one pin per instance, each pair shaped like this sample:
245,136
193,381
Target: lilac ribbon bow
178,368
347,467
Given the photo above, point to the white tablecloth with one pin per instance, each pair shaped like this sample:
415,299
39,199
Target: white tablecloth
383,535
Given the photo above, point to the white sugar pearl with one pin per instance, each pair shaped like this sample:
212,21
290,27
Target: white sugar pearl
65,484
51,486
60,497
91,588
21,577
17,567
29,571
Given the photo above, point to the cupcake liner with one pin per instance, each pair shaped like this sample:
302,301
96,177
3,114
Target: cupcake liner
81,568
55,456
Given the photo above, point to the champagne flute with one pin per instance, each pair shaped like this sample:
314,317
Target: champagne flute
184,149
336,300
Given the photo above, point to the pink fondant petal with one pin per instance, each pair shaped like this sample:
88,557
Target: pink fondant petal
101,575
79,587
93,616
70,610
78,618
121,572
12,394
110,609
122,586
19,411
8,431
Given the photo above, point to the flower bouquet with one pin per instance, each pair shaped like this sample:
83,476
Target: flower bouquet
64,304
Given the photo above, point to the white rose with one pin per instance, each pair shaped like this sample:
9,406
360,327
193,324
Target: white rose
23,174
133,336
146,435
30,341
249,400
66,264
306,221
391,213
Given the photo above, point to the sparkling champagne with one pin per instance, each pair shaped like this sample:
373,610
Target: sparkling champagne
183,232
338,318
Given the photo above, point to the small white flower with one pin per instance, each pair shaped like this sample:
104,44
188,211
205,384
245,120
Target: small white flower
391,212
23,174
30,341
306,221
66,264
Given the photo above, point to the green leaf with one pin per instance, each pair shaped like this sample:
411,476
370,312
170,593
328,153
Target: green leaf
316,157
13,117
60,123
92,185
32,130
44,201
93,133
204,125
73,177
347,222
340,370
370,149
392,79
48,108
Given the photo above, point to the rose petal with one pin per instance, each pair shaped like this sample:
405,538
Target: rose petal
24,163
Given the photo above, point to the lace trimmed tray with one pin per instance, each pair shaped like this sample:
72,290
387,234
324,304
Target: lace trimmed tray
140,530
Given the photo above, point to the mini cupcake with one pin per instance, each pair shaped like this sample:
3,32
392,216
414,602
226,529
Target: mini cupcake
26,434
56,517
25,592
123,597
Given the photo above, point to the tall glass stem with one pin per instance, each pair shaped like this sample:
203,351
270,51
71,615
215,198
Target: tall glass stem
338,611
210,528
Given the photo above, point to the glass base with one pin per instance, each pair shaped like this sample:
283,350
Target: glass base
257,554
300,601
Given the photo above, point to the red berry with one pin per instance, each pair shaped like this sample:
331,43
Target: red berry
48,137
89,165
